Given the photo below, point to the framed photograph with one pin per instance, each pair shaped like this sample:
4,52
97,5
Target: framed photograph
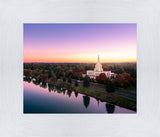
62,74
79,68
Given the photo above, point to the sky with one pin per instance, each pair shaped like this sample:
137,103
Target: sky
79,43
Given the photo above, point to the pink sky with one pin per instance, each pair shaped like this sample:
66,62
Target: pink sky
80,42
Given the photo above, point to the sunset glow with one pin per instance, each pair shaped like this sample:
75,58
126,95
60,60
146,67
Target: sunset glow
80,43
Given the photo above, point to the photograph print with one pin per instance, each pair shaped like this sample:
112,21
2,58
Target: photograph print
79,68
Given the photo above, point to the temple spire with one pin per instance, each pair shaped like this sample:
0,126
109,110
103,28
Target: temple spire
98,66
98,59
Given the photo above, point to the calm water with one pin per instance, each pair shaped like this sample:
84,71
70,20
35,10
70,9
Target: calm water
47,99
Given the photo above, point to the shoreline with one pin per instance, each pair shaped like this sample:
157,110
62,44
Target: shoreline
105,97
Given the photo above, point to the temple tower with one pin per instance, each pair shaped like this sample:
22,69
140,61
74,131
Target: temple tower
98,66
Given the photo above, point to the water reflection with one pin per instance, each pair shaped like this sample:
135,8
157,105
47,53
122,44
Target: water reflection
76,94
69,92
27,79
86,101
48,103
97,101
64,90
43,85
36,82
50,87
110,108
59,90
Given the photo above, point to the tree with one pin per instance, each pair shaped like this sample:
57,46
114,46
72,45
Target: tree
86,101
59,83
35,74
49,74
69,80
124,80
43,71
50,87
43,77
110,86
68,86
27,72
110,108
69,92
32,67
76,94
101,78
105,68
27,79
53,80
86,81
64,79
59,74
43,85
76,83
70,73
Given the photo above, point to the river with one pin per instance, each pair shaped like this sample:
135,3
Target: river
40,98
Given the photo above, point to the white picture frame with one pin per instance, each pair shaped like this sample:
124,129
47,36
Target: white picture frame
13,123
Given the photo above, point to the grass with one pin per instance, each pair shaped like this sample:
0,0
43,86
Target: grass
108,97
131,89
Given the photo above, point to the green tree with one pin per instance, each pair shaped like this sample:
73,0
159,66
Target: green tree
110,87
53,80
76,83
27,72
35,74
86,81
64,79
68,86
43,71
49,74
69,80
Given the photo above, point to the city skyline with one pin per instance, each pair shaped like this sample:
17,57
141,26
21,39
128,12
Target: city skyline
80,43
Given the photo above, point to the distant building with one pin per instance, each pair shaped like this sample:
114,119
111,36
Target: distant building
98,70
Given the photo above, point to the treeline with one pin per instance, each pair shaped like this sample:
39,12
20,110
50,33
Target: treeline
51,72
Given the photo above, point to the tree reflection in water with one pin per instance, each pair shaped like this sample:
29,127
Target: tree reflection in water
59,90
36,82
27,79
86,101
110,108
43,85
97,101
69,92
76,94
64,90
50,87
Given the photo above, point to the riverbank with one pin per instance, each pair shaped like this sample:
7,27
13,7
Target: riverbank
129,93
105,96
113,98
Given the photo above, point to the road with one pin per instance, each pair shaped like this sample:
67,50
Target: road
128,94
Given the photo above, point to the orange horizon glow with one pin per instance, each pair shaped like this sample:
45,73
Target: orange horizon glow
67,56
81,61
79,43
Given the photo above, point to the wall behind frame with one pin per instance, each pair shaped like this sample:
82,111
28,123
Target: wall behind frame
16,124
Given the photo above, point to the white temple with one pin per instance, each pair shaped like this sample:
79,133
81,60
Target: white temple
98,70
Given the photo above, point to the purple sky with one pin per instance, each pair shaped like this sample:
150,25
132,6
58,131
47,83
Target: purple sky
79,42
